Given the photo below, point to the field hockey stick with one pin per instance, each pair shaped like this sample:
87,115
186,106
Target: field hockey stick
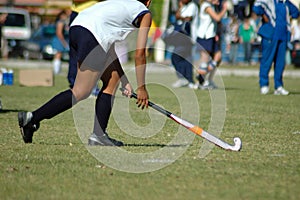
195,129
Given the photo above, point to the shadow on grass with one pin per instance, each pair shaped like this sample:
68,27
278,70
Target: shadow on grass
156,145
294,93
9,110
234,88
58,144
125,145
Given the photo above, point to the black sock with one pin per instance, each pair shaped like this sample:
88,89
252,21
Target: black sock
58,104
200,78
103,108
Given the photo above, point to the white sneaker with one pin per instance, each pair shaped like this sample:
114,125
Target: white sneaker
264,90
191,85
209,85
196,86
281,91
180,83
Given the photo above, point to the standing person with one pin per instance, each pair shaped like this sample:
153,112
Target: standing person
275,34
3,17
255,22
295,34
93,34
246,33
76,8
60,42
241,9
2,21
232,38
208,40
3,47
182,55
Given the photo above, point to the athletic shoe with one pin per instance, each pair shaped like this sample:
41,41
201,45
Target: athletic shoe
200,79
196,86
281,91
180,83
26,127
264,90
103,140
209,85
191,85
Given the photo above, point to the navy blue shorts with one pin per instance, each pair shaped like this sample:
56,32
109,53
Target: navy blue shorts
87,51
210,45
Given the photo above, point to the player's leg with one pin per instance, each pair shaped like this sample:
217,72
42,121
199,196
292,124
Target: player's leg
85,81
268,52
279,66
104,103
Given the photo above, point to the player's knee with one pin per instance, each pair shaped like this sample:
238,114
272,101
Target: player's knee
81,94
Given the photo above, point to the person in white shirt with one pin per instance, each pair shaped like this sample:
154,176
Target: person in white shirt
208,40
93,34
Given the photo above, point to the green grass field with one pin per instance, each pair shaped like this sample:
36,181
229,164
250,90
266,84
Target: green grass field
59,166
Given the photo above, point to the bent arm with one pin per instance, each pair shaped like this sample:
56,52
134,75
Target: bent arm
216,16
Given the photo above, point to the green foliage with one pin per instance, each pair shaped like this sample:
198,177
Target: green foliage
156,9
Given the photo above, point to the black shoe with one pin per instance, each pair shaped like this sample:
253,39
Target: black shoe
200,79
103,140
26,127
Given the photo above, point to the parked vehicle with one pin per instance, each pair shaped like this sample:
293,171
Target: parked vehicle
17,28
39,45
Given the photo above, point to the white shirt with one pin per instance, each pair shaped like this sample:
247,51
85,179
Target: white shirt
111,20
208,27
190,10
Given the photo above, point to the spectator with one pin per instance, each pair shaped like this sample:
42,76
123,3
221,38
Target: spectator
255,22
2,21
275,35
235,7
60,42
295,34
246,33
241,9
232,39
3,47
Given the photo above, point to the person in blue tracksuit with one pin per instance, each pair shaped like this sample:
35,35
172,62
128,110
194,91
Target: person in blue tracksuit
275,33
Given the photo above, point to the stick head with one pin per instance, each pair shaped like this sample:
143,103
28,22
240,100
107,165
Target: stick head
237,144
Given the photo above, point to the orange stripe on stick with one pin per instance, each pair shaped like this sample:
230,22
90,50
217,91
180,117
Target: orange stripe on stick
196,130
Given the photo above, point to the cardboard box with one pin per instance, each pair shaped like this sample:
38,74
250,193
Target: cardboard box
36,77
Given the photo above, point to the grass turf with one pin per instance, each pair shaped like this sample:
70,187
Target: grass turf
59,166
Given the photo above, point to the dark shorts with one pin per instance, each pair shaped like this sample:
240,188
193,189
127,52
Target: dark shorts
210,45
87,51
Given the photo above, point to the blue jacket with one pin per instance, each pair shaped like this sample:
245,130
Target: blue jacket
278,13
